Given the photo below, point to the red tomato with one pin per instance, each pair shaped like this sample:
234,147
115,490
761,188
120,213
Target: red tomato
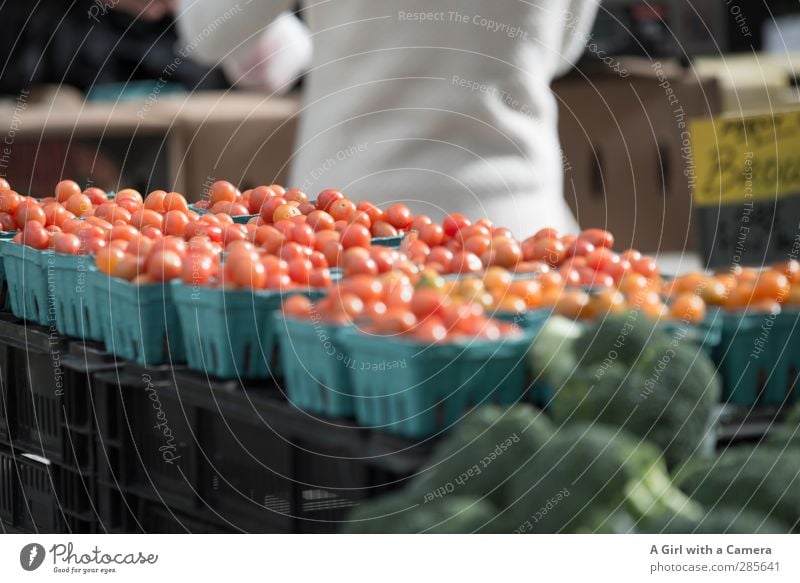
107,259
465,262
34,235
198,269
303,234
96,195
577,247
7,222
420,221
145,217
244,270
357,260
284,211
297,306
222,190
333,251
327,197
373,212
399,216
320,277
645,265
453,223
300,270
598,238
428,302
9,201
432,234
320,221
296,195
65,189
505,252
430,331
175,223
383,229
29,210
342,209
355,235
257,198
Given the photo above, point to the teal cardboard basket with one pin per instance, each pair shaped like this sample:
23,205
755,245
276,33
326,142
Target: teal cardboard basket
415,390
230,333
315,366
29,273
5,302
74,298
759,358
144,326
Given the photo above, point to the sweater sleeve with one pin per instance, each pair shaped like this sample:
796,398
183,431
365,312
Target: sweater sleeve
212,30
578,26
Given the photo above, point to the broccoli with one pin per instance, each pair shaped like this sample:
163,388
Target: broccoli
402,513
788,434
718,521
591,478
485,449
659,387
763,479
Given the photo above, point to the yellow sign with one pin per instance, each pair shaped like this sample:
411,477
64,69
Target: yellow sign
746,159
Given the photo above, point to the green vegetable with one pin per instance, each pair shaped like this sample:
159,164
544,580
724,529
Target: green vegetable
403,513
788,434
763,479
591,478
482,452
659,386
717,521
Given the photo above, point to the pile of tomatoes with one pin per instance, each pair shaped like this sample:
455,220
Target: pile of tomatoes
391,306
291,242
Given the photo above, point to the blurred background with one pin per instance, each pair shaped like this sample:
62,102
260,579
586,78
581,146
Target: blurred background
103,96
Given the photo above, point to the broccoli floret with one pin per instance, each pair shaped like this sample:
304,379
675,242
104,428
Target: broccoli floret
403,514
788,434
590,478
762,479
657,386
481,453
718,521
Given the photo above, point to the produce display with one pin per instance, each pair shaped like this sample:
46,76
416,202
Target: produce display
448,330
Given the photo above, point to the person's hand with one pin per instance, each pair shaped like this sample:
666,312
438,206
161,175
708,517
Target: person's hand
147,9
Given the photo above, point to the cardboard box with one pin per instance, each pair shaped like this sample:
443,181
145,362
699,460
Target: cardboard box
245,138
626,150
753,82
178,142
106,145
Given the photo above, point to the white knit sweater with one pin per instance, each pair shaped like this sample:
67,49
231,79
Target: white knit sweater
442,104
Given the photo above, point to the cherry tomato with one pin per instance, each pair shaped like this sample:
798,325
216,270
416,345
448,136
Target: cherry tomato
598,238
453,223
108,258
327,197
222,191
399,216
284,211
355,235
9,201
66,189
688,308
175,223
29,210
432,234
342,209
297,306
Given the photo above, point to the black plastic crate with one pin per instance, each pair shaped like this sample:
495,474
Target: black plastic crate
37,495
49,389
269,466
127,512
241,457
146,437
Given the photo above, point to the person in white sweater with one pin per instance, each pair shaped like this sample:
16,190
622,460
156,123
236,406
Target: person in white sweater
444,105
